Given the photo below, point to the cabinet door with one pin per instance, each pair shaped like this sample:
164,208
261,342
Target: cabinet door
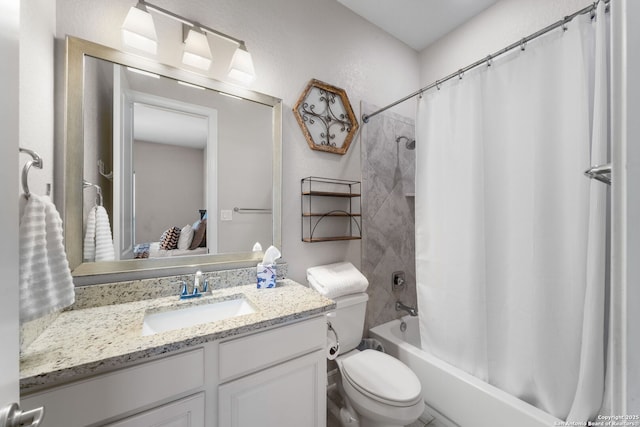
292,394
125,391
187,412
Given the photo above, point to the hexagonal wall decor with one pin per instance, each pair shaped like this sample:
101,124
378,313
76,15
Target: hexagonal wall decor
326,117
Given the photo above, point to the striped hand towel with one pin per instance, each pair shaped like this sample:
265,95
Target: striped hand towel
104,241
89,244
45,280
98,242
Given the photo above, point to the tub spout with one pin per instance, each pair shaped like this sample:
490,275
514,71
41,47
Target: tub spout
412,311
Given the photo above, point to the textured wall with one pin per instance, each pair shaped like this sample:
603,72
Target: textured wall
388,215
37,31
504,23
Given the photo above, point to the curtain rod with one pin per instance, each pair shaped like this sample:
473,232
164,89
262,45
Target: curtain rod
521,44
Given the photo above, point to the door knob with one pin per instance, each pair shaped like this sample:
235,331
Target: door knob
12,416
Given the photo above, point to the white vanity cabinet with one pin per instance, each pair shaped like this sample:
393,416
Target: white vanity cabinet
275,378
113,395
187,412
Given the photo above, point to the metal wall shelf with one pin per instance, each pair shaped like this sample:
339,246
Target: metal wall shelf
343,206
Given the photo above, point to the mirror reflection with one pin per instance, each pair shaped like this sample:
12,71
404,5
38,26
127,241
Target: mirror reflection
182,169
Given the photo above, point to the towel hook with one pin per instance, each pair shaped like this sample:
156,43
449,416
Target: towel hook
36,162
101,169
600,173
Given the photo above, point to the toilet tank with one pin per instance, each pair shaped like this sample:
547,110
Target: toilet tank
349,320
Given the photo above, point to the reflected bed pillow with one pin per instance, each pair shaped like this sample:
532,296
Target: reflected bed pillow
169,239
186,236
200,235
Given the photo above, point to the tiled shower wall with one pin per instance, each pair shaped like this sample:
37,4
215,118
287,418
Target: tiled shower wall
388,213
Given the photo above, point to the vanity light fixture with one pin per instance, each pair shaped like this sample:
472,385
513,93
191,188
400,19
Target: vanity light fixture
138,30
197,52
196,48
241,67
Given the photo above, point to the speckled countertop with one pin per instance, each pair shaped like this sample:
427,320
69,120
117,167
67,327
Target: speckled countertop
98,339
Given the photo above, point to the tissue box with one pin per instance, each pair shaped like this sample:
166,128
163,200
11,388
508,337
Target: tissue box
266,276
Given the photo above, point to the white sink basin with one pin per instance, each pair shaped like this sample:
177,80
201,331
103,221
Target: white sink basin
179,318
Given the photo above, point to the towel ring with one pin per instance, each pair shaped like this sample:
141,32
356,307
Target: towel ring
86,184
36,162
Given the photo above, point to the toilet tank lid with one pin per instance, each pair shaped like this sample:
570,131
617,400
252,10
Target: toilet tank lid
352,299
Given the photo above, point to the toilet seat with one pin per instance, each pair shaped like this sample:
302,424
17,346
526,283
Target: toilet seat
382,378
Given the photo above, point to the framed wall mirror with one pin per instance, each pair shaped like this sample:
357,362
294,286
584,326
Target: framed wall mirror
163,150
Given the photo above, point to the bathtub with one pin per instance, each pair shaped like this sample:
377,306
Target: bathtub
453,393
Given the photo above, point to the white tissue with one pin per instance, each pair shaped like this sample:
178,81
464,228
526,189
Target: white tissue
271,255
257,247
266,270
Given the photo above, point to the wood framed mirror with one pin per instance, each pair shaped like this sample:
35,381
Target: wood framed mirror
229,188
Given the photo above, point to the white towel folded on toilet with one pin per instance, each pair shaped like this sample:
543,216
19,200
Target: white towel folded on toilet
336,280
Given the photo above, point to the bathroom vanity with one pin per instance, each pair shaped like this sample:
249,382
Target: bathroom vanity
94,366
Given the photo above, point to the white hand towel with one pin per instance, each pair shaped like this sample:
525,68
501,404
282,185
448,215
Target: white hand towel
336,280
89,244
45,280
104,241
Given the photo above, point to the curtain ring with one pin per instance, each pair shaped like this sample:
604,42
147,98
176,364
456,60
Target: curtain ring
489,60
420,95
593,9
438,84
460,74
565,21
523,44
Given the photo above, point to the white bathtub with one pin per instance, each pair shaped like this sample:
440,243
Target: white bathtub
459,396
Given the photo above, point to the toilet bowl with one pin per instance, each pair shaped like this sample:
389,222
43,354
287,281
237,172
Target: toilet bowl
378,389
383,391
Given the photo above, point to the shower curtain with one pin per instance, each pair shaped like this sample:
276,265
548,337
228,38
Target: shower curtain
510,234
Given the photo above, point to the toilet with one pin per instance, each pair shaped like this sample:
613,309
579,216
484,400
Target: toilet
378,389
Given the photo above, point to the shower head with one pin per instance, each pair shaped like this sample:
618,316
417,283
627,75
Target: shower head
410,144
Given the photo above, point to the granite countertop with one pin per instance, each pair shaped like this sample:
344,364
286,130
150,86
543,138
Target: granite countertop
94,340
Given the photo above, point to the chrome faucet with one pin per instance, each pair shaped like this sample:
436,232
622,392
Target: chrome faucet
412,311
197,292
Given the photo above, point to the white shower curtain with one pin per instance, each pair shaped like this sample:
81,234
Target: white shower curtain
510,234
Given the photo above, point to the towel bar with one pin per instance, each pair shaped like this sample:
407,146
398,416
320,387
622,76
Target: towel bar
251,210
